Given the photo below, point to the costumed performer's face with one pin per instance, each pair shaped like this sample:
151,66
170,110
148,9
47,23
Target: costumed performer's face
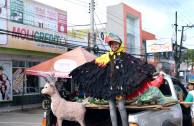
114,45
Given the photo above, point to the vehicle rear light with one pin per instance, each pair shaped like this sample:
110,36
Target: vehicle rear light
133,124
44,122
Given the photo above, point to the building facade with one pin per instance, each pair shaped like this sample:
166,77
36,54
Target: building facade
126,22
31,33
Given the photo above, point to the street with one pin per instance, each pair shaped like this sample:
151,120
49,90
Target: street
34,116
26,117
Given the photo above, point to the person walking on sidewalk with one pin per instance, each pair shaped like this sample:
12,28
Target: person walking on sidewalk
112,76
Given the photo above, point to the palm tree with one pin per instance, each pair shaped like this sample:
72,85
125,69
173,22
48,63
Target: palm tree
188,57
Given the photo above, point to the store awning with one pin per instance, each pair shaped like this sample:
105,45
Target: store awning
63,64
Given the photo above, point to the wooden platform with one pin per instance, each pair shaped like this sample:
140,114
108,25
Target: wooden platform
135,107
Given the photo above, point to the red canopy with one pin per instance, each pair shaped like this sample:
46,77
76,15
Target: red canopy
63,64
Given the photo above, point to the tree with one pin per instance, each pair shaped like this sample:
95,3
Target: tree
188,57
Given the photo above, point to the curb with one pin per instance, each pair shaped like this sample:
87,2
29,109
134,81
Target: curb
16,108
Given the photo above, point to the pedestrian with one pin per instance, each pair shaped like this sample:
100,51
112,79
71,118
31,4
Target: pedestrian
189,98
112,76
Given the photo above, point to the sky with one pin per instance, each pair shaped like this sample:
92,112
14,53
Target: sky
158,16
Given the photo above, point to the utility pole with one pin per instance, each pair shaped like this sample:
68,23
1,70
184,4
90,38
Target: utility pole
92,26
180,48
175,53
182,32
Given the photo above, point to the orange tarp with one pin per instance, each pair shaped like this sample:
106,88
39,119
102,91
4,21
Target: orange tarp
63,64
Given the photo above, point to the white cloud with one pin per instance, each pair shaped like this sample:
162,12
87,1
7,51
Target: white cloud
152,19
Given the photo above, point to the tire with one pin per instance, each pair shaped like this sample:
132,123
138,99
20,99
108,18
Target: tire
46,104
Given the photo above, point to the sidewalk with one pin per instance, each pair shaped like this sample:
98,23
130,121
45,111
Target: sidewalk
14,108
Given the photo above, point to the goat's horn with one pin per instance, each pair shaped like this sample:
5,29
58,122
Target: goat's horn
45,79
52,76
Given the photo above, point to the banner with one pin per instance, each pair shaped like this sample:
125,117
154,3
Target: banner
5,81
3,22
16,11
162,45
18,80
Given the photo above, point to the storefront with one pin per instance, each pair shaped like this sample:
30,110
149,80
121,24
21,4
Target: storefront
32,33
21,88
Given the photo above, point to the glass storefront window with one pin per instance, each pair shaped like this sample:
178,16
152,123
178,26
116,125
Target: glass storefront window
32,85
24,83
18,63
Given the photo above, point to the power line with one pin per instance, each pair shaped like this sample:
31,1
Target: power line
136,34
86,25
67,23
121,20
75,3
33,13
183,10
176,8
30,37
100,22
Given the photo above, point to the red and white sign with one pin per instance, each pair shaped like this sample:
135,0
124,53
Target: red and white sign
62,23
65,65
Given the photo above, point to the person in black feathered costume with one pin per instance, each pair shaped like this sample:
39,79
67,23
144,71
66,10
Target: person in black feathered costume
112,76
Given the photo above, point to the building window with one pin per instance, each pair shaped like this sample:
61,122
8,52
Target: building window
24,83
130,35
144,49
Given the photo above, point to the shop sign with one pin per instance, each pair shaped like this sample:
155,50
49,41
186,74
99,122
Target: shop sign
162,45
62,23
33,26
30,38
33,35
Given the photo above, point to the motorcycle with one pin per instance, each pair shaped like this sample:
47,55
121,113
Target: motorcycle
46,102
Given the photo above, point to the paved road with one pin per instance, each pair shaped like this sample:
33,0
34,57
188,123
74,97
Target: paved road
34,116
26,117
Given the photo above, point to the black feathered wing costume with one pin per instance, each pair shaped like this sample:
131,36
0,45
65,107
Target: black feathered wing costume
130,72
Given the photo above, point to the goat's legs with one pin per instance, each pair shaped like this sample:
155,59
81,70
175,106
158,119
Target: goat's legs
82,123
59,122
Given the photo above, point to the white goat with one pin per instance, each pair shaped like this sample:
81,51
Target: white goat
62,109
